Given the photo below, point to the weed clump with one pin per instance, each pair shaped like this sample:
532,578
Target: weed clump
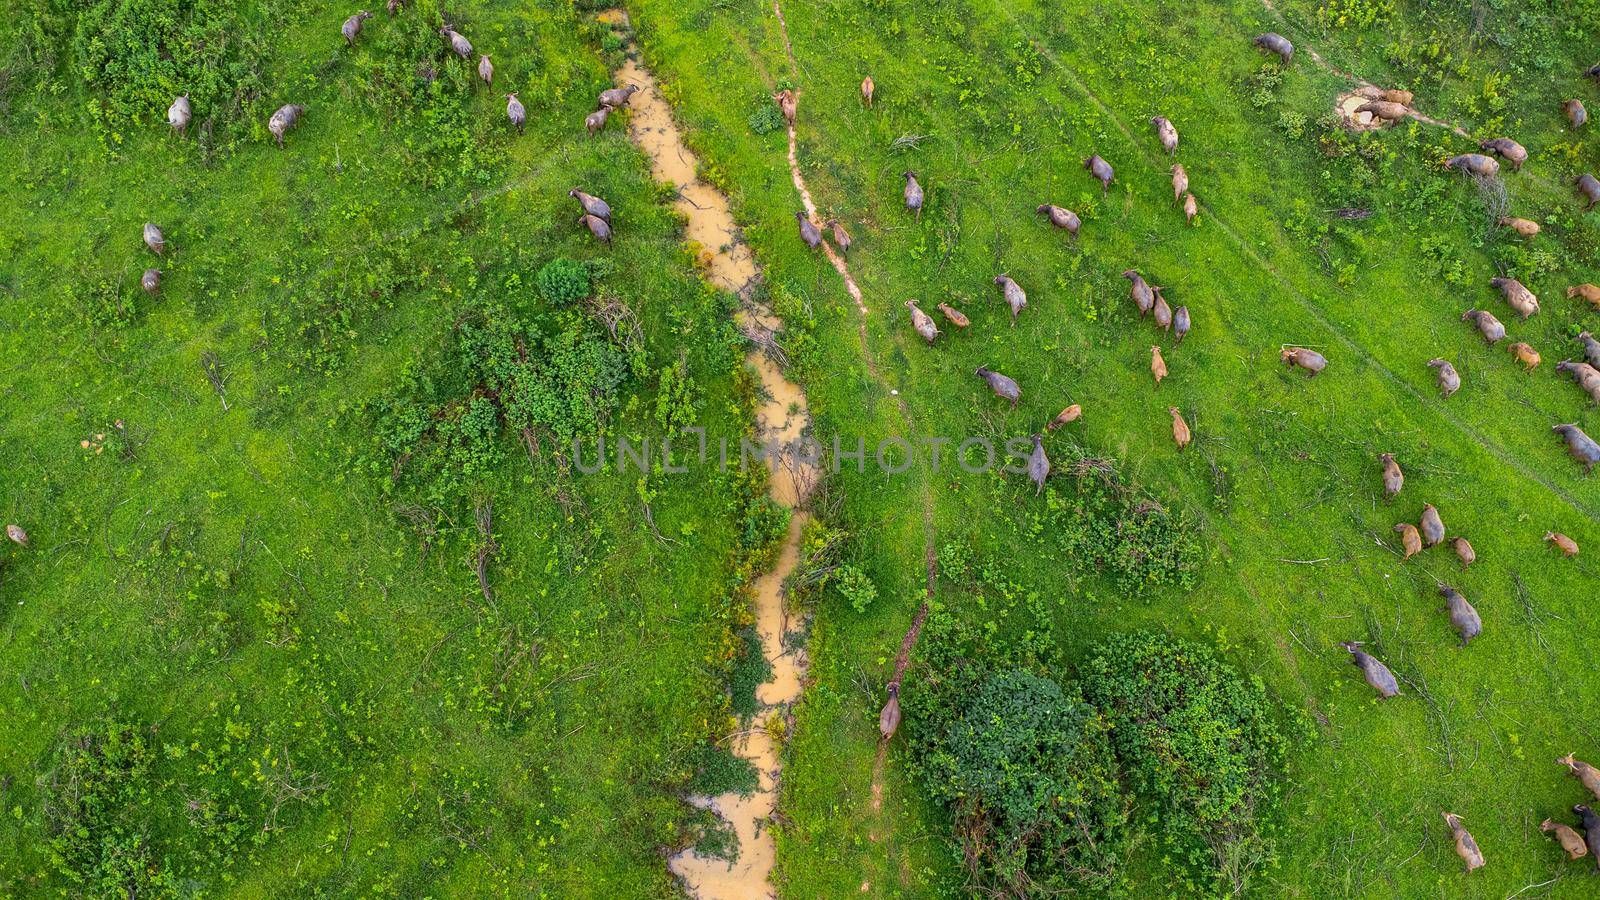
563,281
94,811
750,671
1110,526
140,54
765,119
716,770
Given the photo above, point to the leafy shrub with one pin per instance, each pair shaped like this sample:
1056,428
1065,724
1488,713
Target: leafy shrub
677,398
563,281
441,433
750,671
140,54
32,41
1025,766
96,809
1354,13
766,118
855,586
1136,541
1200,744
718,771
1292,124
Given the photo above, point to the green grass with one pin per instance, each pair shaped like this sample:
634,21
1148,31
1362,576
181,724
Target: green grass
1011,98
328,704
242,589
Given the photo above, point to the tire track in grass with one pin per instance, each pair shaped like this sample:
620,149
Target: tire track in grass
1492,448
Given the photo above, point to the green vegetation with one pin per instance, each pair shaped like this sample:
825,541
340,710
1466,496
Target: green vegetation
1199,742
318,601
1357,245
1026,767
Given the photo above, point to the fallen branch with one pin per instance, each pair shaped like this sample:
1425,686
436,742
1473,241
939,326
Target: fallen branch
212,366
483,510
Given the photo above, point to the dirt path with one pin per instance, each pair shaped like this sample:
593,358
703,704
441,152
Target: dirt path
1345,341
1358,80
783,417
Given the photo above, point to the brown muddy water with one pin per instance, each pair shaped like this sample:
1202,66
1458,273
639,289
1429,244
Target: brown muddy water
729,265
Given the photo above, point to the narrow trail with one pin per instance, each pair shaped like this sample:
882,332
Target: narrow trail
782,418
1345,341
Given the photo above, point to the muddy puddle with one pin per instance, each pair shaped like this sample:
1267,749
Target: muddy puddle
728,264
1347,104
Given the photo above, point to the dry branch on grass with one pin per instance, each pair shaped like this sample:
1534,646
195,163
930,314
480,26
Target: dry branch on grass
483,512
212,367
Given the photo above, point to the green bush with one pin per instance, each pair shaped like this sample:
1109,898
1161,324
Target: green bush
750,670
563,281
1109,526
766,118
440,434
716,770
1199,742
855,586
140,54
97,807
1025,766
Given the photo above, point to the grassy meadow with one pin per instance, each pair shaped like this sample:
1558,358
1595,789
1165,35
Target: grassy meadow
248,651
995,106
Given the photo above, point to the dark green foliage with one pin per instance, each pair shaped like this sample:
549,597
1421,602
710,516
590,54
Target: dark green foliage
442,434
1026,767
563,281
716,770
766,118
750,670
1135,540
96,809
34,44
407,74
138,55
1199,741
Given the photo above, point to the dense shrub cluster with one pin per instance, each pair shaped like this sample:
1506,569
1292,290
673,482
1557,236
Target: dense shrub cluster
443,432
1199,742
1040,773
407,73
765,117
1026,767
563,281
98,836
137,55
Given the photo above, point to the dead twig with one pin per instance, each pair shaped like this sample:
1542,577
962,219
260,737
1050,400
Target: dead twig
483,511
212,366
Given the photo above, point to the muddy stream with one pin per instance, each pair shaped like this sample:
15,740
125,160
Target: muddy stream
729,265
